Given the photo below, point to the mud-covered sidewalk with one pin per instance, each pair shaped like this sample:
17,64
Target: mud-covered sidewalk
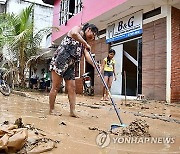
79,135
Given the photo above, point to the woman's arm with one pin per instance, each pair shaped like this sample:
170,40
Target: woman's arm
75,33
88,57
102,66
114,72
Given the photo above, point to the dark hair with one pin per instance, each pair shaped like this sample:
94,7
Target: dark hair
110,51
93,28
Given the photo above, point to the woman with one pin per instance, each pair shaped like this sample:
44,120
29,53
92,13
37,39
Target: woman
63,62
108,66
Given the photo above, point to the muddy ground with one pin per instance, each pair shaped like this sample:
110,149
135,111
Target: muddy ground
78,135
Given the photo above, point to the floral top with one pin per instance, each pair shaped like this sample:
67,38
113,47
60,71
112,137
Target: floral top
73,47
68,53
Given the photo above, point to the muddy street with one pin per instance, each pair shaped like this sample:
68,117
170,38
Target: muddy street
79,135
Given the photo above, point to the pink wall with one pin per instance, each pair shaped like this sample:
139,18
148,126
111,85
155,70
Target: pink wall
91,9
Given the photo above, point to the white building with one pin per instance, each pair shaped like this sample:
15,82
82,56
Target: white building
43,17
43,14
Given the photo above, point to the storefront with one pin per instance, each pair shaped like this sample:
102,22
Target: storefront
146,45
145,35
125,37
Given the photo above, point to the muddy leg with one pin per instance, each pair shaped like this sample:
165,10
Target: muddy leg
56,80
72,96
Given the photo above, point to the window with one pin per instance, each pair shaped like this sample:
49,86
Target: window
152,13
64,11
78,6
68,8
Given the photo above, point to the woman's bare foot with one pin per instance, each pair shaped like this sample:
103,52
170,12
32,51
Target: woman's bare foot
55,113
102,99
73,114
50,111
106,98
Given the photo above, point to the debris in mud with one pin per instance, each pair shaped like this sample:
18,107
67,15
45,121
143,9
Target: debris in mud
63,123
144,101
105,103
94,106
155,116
38,145
137,128
20,138
128,105
42,117
86,105
144,107
100,103
94,116
31,127
96,129
97,103
93,128
19,123
5,123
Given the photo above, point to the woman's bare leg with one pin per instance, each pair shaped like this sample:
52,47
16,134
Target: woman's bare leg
102,99
56,80
71,87
109,84
104,89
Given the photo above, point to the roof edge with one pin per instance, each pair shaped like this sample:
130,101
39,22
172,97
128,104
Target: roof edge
50,2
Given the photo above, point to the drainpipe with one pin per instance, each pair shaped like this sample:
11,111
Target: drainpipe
168,56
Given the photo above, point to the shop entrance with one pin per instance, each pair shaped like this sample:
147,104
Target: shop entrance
128,68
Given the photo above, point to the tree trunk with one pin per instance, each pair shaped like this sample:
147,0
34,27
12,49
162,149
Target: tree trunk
22,67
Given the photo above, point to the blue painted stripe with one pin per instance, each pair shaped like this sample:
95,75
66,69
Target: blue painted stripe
120,37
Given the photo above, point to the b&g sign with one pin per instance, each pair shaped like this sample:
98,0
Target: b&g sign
126,27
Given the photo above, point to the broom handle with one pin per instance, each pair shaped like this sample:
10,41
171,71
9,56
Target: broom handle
94,62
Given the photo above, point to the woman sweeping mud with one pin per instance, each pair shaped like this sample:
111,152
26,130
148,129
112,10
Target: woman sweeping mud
63,62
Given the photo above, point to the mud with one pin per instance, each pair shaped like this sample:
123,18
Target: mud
137,128
94,106
79,135
158,116
32,146
36,141
19,123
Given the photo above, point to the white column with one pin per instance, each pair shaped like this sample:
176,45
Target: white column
168,61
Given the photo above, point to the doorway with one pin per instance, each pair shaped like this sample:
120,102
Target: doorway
128,68
116,88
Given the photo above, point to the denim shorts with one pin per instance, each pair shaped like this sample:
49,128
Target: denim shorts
108,73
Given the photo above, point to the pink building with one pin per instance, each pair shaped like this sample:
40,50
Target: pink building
145,35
